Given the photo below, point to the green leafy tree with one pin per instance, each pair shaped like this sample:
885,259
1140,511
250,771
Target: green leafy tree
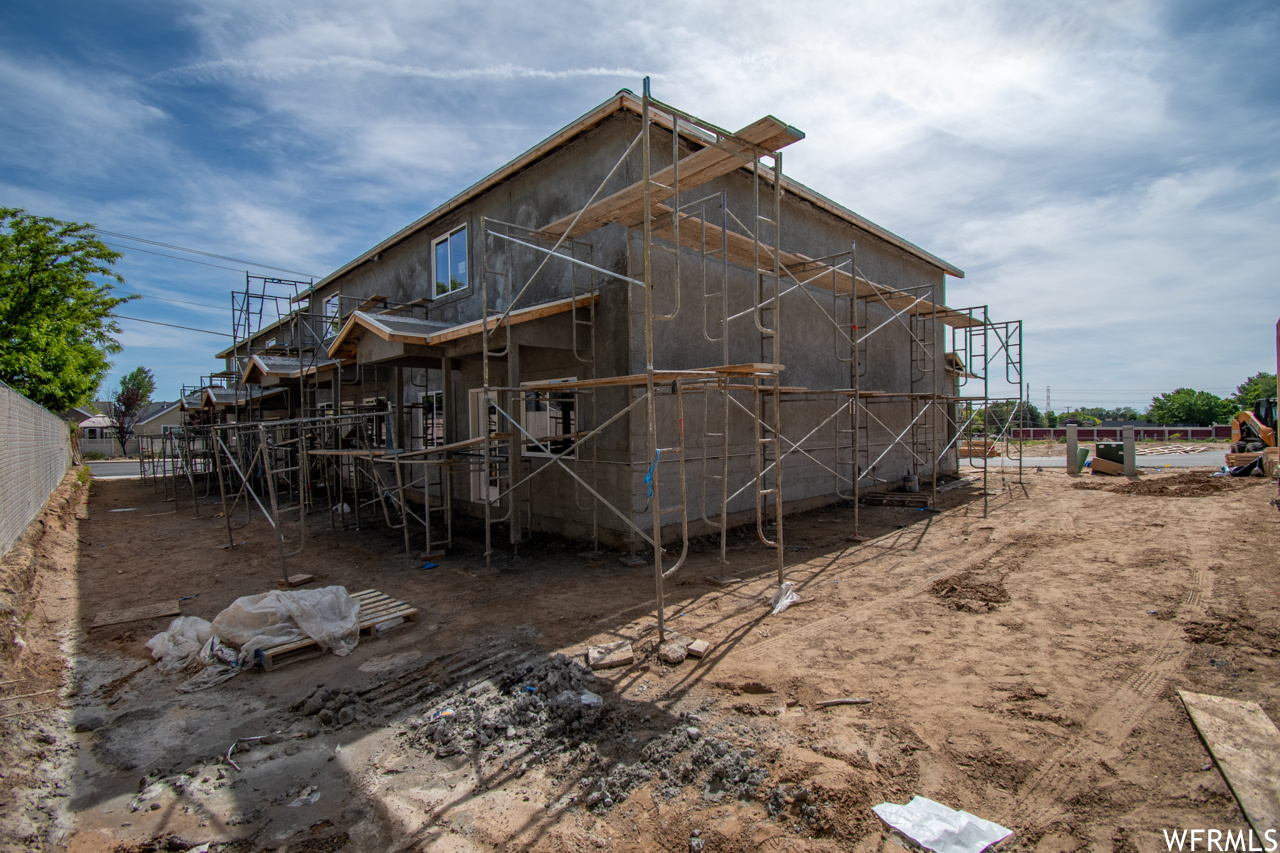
55,318
1081,416
1259,386
1050,419
136,388
1188,406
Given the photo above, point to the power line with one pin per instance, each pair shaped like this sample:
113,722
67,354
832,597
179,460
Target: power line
198,252
175,257
170,325
178,301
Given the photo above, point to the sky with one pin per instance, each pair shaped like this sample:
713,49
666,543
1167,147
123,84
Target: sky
1107,172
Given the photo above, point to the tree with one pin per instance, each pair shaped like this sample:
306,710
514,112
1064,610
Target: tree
55,319
1259,386
1187,406
136,388
1083,417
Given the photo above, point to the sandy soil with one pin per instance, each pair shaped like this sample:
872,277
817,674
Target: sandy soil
1020,666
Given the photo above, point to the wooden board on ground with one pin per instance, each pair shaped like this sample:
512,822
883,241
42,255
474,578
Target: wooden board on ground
136,614
376,608
1106,466
297,580
1245,745
610,655
916,499
1235,460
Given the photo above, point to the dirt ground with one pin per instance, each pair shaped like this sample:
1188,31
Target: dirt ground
1021,666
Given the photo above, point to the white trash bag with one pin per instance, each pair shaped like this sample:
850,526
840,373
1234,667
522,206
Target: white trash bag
784,597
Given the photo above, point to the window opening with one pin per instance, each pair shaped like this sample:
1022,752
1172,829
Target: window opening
551,416
450,261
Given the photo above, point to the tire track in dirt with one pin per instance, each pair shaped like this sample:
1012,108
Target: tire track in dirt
1053,781
979,557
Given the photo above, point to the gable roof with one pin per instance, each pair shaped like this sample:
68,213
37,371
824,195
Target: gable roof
410,330
155,410
259,367
623,101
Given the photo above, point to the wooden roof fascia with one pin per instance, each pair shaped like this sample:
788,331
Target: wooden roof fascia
361,321
522,315
705,164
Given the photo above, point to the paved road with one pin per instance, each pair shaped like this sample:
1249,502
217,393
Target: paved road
1205,459
114,470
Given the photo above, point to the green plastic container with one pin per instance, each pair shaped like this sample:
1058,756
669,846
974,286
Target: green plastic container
1082,456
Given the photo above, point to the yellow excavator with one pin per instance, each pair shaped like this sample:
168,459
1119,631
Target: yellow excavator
1254,430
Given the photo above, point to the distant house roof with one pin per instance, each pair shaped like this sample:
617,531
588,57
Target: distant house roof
155,410
96,421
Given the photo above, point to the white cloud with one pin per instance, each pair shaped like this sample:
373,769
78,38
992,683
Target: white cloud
1088,176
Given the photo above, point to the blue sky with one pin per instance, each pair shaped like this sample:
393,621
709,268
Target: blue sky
1107,172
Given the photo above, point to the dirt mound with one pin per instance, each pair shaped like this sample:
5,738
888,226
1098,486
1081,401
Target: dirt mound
1192,484
972,592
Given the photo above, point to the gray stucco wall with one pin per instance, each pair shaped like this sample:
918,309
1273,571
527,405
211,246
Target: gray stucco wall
812,348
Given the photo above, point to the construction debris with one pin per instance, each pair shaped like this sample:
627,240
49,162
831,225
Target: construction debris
699,648
610,655
1106,466
723,580
783,598
936,827
540,710
912,499
673,652
377,613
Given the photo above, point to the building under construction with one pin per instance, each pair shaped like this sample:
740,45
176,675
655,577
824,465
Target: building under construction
639,329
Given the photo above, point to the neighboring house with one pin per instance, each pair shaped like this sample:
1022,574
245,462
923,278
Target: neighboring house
699,309
158,418
98,435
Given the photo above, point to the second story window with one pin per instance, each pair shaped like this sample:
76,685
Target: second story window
332,315
450,261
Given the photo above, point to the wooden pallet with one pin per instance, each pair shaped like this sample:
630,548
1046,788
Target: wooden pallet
915,499
375,608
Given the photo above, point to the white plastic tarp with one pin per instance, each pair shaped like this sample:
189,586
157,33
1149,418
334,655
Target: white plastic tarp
177,647
937,827
328,616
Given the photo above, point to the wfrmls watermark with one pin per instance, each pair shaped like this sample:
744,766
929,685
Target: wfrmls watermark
1217,839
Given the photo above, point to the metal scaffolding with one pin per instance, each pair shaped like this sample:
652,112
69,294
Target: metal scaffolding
367,464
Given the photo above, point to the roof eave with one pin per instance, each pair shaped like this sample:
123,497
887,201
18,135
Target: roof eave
623,100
